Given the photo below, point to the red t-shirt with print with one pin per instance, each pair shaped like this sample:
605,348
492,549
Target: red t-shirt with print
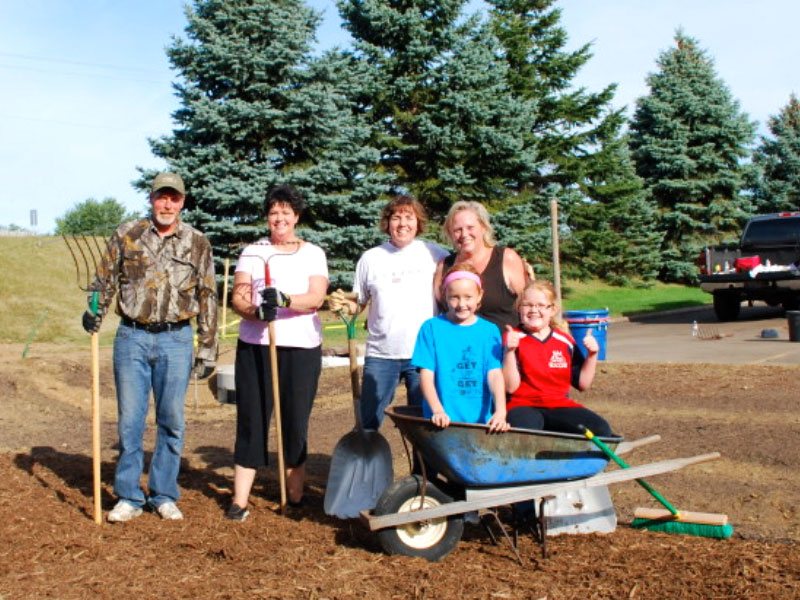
547,369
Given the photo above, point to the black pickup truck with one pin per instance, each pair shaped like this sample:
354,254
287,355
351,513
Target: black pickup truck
765,266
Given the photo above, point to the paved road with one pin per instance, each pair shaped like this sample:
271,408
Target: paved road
667,337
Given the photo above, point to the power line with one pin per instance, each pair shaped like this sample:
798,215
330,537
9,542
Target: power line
75,62
73,124
80,74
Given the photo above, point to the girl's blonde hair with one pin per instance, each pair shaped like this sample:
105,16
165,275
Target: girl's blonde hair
545,287
480,212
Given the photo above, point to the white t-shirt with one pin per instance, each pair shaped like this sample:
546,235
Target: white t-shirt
290,274
398,284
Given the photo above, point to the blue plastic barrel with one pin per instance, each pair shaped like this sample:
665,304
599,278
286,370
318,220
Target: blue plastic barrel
596,320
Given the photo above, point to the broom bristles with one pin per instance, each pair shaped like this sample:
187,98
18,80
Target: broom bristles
721,532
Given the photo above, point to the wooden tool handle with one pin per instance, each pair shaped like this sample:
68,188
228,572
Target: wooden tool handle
98,510
657,514
276,403
627,446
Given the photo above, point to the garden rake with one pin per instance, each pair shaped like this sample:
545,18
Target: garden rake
273,367
87,252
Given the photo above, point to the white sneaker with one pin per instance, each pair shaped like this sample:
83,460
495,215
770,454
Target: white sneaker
122,512
170,511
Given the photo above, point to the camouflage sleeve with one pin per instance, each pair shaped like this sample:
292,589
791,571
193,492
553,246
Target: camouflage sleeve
107,275
207,304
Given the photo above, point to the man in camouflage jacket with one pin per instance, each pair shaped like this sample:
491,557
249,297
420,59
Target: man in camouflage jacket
162,271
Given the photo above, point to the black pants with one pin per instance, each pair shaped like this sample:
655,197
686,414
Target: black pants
298,375
565,420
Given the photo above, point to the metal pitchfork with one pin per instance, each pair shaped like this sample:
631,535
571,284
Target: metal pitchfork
86,254
273,367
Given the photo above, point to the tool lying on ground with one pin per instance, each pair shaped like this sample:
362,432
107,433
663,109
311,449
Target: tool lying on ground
361,465
670,520
91,252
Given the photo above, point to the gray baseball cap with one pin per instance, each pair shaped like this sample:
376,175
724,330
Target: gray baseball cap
168,180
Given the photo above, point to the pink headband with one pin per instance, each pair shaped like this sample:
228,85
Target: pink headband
462,275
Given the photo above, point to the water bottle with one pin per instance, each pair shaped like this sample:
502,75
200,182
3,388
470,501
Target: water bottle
695,329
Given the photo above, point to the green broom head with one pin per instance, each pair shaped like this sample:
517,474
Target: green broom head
722,532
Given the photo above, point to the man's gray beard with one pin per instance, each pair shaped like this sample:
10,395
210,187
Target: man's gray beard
159,220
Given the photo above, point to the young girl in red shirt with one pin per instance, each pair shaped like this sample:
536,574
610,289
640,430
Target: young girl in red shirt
541,362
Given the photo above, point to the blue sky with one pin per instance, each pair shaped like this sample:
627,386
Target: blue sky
85,83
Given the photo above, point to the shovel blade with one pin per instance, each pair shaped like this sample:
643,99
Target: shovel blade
361,470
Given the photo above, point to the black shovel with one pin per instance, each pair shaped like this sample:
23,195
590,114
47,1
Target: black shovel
361,465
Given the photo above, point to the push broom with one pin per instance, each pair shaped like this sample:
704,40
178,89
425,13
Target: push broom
670,520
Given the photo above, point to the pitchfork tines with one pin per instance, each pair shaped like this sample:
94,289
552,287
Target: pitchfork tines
87,252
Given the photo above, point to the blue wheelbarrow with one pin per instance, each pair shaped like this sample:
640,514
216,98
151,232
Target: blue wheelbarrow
424,516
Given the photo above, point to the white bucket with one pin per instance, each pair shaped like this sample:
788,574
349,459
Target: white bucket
339,361
226,384
588,510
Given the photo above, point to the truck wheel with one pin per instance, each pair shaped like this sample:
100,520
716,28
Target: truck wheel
791,303
431,539
727,306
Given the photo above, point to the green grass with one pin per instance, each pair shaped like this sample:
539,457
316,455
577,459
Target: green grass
40,299
333,329
630,301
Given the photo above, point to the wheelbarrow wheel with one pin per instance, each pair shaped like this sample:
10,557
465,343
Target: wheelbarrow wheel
431,539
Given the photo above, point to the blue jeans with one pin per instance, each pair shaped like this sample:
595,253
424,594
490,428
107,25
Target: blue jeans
381,378
161,362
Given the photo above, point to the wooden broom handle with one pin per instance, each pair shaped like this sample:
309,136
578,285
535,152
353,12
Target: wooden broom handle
658,514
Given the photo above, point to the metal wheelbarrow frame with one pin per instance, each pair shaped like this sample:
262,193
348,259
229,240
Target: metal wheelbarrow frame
482,470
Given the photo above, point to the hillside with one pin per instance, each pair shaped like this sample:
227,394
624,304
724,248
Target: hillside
40,296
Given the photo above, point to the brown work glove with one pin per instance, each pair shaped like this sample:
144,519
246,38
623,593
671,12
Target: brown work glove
339,302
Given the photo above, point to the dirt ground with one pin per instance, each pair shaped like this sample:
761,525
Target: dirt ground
51,548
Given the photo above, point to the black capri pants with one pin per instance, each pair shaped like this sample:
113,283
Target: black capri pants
565,420
298,375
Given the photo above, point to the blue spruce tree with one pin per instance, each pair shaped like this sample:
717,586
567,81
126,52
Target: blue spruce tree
445,120
689,142
778,160
258,109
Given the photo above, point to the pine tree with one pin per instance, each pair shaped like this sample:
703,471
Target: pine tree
569,123
576,134
257,109
613,229
689,140
447,125
522,222
778,159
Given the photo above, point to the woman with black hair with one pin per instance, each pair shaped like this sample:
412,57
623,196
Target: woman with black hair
298,280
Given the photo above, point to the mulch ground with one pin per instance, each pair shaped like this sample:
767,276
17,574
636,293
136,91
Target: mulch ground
52,548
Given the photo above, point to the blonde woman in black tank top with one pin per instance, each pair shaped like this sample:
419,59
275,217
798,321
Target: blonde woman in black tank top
502,270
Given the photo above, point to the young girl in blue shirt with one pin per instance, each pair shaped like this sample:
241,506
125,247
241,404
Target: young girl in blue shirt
459,355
